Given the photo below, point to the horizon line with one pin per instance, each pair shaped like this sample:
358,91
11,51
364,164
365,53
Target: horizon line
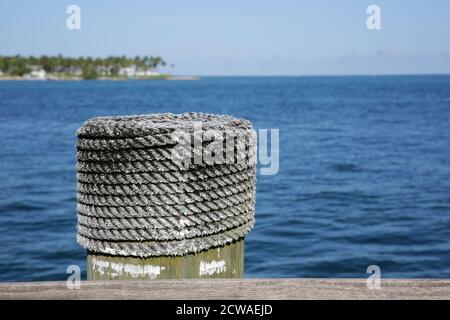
317,75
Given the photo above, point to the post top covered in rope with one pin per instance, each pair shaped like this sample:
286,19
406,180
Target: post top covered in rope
135,198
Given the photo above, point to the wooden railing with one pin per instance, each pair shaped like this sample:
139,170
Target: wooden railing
231,289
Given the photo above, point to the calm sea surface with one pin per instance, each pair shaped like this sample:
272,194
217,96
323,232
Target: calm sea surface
364,170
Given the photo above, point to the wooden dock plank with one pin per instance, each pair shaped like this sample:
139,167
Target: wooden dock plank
231,289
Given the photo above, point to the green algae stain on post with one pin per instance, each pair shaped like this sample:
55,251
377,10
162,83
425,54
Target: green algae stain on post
143,214
101,267
221,262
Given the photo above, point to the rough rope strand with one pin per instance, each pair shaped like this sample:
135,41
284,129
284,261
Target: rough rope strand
161,211
165,248
145,166
149,154
161,177
163,234
151,140
169,188
171,199
164,221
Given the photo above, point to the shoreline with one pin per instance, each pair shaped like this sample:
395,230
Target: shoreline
171,78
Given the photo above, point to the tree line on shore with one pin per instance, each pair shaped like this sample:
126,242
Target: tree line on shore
85,67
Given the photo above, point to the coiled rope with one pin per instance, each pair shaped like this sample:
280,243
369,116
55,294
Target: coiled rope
135,197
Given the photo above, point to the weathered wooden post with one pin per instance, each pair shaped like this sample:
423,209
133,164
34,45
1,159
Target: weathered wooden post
165,196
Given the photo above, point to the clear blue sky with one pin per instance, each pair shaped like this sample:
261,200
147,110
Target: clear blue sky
240,37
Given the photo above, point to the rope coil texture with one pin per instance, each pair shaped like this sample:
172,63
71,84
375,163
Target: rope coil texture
164,184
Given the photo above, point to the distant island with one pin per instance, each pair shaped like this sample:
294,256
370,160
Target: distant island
83,68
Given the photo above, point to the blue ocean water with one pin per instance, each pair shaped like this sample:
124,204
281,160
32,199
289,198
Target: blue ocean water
364,170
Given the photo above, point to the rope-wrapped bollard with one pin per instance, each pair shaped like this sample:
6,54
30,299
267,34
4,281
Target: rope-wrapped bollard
165,195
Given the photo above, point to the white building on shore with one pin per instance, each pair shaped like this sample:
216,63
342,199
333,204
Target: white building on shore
135,72
36,74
